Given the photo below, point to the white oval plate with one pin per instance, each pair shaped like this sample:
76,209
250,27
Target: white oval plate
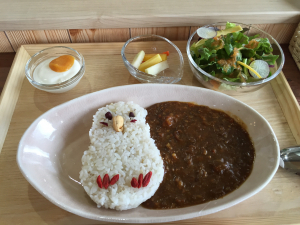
50,151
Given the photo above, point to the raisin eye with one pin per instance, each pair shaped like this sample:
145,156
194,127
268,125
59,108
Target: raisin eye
108,115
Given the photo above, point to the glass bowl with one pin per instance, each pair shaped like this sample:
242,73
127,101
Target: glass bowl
151,44
47,53
235,88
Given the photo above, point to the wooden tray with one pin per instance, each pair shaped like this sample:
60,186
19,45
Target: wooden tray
21,104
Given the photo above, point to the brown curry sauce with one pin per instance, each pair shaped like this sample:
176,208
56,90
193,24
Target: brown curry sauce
206,153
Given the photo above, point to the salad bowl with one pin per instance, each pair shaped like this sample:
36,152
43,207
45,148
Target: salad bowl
231,84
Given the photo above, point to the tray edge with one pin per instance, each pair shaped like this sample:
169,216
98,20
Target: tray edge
288,103
11,91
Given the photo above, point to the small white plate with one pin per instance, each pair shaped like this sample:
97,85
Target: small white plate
50,151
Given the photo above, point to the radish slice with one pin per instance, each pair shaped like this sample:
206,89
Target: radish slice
206,32
261,67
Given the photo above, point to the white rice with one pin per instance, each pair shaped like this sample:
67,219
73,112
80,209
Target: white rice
127,153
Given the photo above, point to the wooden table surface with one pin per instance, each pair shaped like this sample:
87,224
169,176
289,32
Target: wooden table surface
290,70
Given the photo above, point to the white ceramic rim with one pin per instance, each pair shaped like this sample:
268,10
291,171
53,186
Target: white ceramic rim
139,219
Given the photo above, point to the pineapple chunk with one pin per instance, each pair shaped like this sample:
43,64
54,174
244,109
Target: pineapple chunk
148,56
136,62
157,68
150,62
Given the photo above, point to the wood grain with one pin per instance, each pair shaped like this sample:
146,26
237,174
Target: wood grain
5,46
11,92
20,203
18,38
288,103
96,14
171,33
281,32
112,48
99,35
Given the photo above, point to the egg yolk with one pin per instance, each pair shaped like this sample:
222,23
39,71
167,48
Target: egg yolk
62,63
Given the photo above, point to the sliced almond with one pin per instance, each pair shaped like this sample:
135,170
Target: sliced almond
118,123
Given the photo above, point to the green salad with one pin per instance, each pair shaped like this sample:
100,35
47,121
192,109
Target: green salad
233,56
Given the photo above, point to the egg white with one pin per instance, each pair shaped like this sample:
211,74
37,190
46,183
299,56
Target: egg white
44,75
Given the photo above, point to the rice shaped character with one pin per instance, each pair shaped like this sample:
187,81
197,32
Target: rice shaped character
128,153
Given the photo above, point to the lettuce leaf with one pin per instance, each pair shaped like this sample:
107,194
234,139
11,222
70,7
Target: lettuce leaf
239,56
253,37
206,65
222,54
236,40
196,46
228,48
211,44
245,60
247,53
270,59
225,69
240,39
263,46
206,53
230,25
203,56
